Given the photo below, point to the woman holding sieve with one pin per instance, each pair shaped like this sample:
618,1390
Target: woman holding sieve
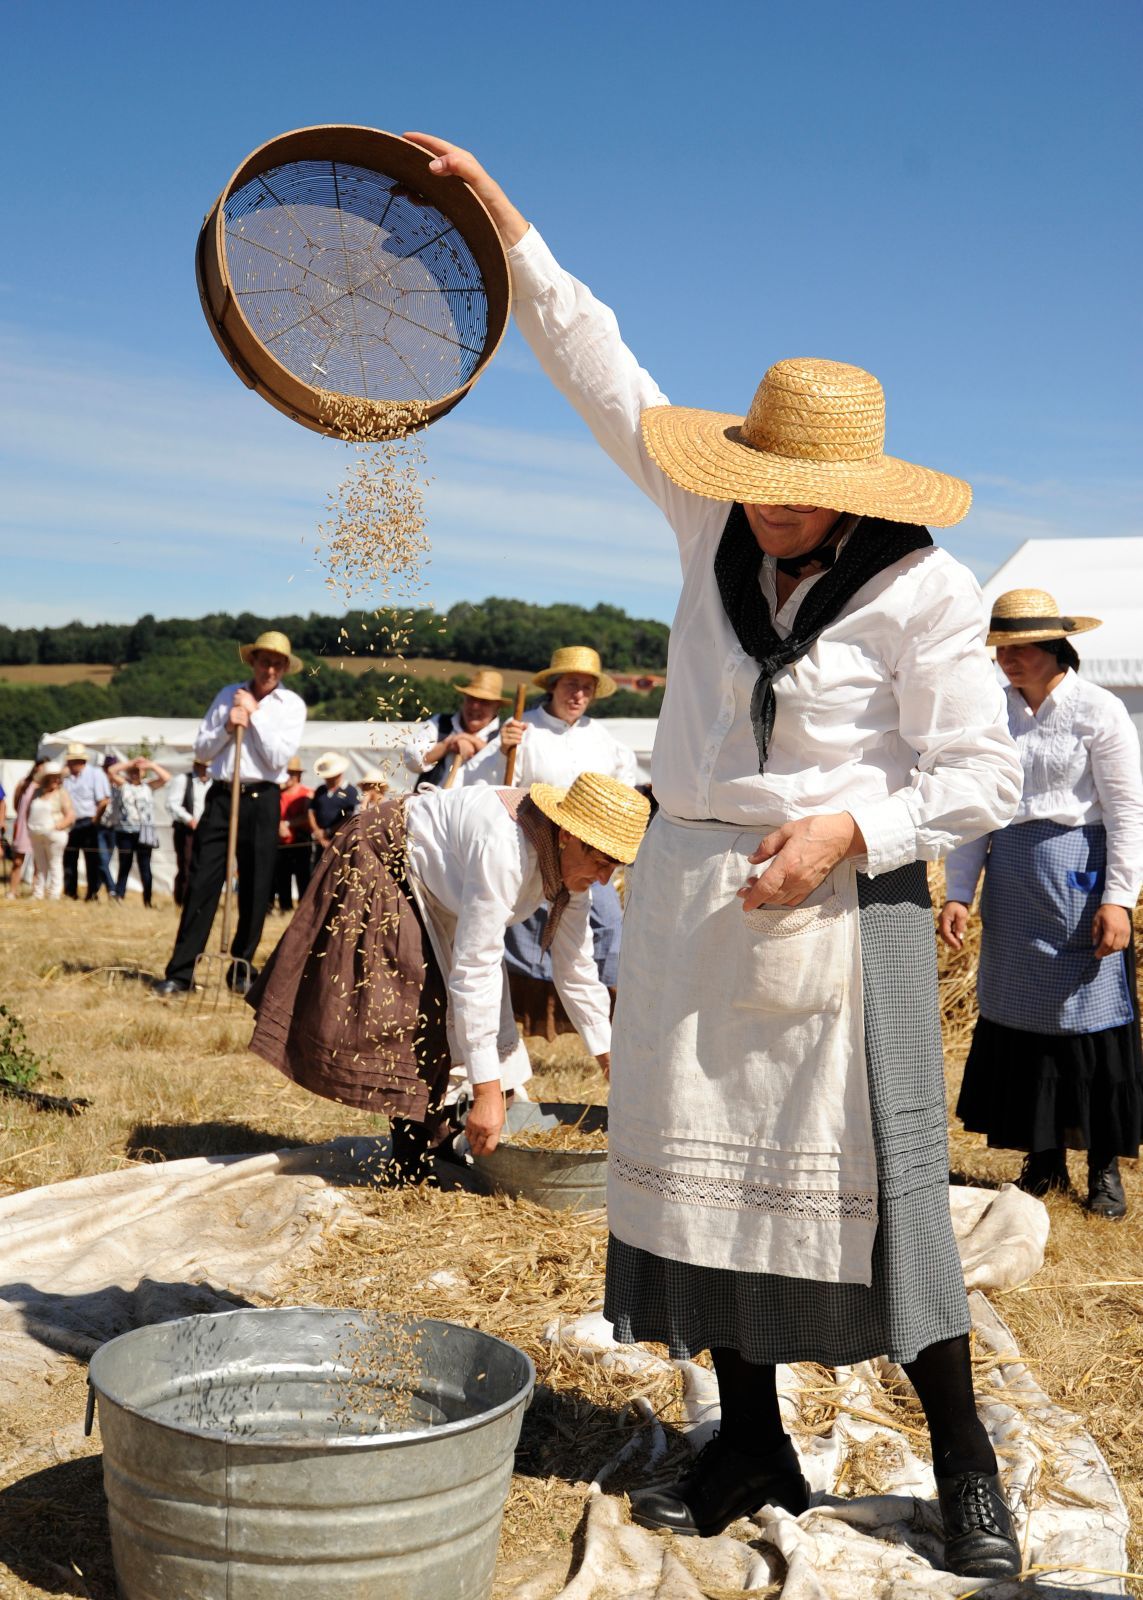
778,1178
1056,1058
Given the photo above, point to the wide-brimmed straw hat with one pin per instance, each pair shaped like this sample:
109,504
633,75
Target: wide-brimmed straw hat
1031,616
277,642
331,765
294,764
577,658
485,684
373,778
599,810
814,435
75,752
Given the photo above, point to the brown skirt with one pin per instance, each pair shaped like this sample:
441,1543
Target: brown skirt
351,1005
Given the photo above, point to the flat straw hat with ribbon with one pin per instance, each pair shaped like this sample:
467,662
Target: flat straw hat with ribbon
814,435
1031,616
599,810
577,658
485,684
274,641
75,752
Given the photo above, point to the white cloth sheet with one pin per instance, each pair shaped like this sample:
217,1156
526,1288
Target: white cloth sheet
1080,755
272,736
755,1152
474,859
904,662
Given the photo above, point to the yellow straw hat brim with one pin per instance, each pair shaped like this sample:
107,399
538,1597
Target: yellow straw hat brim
483,694
599,810
704,452
246,653
1043,635
605,685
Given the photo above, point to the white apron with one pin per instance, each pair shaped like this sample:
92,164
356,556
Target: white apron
515,1066
740,1133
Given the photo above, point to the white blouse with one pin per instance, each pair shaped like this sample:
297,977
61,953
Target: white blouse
1080,755
426,734
893,715
555,751
473,857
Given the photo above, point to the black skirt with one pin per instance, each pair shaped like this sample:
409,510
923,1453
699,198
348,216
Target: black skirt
1045,1091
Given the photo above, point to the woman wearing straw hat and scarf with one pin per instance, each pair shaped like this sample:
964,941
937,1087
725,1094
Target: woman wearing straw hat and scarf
778,1177
1056,1058
556,740
393,967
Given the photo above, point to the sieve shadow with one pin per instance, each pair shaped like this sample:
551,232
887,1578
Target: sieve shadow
120,974
178,1141
565,1434
77,1324
54,1533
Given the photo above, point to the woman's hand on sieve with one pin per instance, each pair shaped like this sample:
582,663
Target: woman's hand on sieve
450,161
485,1120
953,923
801,855
1110,930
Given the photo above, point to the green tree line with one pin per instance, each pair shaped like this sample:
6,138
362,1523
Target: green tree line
173,668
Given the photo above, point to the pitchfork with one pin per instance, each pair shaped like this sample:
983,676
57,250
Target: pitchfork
227,972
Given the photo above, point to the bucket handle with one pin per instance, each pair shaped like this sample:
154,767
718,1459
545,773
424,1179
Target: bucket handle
89,1419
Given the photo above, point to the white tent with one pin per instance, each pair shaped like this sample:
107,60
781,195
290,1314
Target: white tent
1095,578
170,740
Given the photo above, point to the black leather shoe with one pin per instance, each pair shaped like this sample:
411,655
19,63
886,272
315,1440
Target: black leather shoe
722,1485
239,981
980,1541
169,986
1044,1170
1105,1197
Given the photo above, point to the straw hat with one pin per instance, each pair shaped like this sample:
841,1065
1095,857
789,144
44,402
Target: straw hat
486,684
814,434
1030,616
577,658
277,642
373,778
601,811
294,764
75,752
331,765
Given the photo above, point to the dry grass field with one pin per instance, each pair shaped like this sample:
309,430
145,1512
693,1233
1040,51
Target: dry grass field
99,672
174,1079
419,667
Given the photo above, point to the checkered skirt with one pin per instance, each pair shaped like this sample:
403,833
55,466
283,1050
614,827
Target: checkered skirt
917,1295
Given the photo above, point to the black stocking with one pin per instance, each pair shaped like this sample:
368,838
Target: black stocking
751,1421
942,1377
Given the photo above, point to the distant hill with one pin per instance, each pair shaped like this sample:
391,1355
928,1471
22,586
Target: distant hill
55,677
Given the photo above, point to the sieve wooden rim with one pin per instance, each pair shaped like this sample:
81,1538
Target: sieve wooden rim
379,152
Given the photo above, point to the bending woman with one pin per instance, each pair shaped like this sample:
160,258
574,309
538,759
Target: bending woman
1056,1061
778,1173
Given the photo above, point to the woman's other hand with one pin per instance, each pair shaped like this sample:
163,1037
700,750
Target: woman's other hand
511,732
603,1061
485,1120
1110,930
450,161
952,924
802,855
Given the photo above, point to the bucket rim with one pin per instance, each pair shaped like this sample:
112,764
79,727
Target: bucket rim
357,1441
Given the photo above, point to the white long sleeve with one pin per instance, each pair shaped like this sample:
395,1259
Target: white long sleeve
272,736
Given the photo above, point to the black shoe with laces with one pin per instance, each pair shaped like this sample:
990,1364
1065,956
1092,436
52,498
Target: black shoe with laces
722,1485
980,1541
1105,1197
1044,1170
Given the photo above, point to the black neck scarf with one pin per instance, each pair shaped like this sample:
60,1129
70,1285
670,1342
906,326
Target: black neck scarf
875,546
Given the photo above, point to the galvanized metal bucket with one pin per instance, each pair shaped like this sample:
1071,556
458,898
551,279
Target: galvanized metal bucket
307,1454
564,1180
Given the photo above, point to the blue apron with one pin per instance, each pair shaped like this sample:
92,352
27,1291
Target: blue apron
1043,884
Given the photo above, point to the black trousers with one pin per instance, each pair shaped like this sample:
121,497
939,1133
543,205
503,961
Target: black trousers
84,836
184,845
258,815
295,863
130,849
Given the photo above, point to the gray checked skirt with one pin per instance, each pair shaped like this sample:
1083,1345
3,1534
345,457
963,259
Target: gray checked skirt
917,1296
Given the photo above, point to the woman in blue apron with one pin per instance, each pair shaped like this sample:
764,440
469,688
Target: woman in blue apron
1055,1062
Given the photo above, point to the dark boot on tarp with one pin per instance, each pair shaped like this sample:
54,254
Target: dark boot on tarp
723,1484
980,1540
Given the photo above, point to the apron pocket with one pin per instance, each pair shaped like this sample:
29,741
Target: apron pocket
794,958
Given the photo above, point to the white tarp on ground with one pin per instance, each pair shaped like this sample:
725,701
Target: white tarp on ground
170,741
1091,578
83,1261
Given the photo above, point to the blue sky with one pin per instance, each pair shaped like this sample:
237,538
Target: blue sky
947,195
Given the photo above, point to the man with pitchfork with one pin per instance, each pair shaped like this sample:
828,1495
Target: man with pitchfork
271,719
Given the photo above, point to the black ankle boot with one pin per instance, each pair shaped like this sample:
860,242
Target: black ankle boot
980,1541
1105,1195
1044,1170
722,1485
